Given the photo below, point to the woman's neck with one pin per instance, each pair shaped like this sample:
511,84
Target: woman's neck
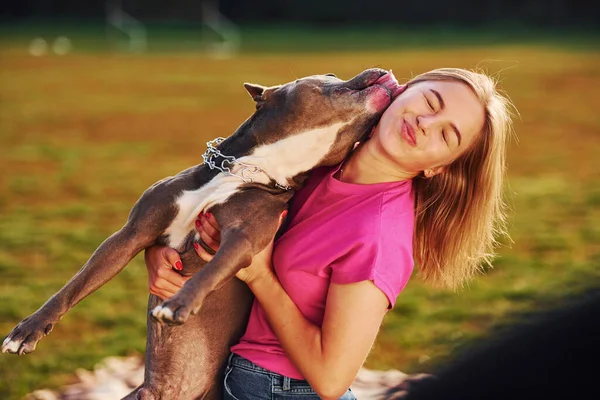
366,165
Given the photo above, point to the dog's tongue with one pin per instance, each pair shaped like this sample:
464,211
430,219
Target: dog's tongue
389,81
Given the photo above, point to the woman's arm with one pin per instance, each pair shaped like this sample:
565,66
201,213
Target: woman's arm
329,356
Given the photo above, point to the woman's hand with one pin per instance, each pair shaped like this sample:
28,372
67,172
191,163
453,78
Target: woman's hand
161,262
210,234
261,266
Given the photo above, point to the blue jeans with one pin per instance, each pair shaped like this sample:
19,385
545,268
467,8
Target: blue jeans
245,380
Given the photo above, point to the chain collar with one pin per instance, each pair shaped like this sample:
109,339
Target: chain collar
225,166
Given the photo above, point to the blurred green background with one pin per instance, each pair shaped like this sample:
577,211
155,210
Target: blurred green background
84,133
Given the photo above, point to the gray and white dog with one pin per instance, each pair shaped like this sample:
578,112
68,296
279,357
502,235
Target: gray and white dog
246,182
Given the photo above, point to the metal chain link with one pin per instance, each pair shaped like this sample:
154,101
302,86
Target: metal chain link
228,162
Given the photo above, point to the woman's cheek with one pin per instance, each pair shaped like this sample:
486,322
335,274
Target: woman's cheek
392,142
435,157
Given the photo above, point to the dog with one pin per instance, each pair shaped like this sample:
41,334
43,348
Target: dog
246,182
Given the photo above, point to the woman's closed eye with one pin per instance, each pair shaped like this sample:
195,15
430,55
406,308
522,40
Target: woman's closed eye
429,104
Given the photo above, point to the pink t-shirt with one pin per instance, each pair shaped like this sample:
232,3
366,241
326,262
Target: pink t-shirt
341,233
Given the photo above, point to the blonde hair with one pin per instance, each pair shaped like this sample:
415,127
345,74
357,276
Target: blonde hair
460,213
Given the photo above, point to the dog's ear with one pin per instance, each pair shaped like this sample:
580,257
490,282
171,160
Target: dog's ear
254,90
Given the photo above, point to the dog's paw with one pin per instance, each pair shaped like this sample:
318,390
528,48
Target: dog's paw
24,337
171,312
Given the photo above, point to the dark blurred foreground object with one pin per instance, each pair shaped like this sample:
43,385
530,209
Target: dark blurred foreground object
551,354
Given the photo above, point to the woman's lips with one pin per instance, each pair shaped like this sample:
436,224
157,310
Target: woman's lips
408,133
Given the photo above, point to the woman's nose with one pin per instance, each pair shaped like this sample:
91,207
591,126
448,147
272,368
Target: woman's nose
426,124
423,124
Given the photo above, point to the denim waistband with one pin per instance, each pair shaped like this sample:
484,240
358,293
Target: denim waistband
280,384
240,361
283,382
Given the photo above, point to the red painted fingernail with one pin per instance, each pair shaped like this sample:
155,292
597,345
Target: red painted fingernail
196,246
178,266
200,215
198,224
208,215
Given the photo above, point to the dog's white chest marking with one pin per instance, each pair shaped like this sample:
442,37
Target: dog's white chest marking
295,154
281,161
192,202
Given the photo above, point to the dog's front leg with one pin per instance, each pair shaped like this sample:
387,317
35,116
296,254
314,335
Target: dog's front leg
235,252
110,258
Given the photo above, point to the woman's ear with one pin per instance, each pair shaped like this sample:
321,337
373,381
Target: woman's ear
254,90
431,172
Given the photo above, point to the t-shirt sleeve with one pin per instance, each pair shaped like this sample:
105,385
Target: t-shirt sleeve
386,259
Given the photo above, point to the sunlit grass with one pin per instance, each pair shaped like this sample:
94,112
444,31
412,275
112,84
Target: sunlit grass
82,136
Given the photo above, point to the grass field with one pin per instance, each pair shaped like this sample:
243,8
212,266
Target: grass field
82,135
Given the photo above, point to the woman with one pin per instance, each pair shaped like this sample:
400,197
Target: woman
427,184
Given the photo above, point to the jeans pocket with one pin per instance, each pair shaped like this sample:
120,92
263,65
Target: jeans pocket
226,384
246,384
